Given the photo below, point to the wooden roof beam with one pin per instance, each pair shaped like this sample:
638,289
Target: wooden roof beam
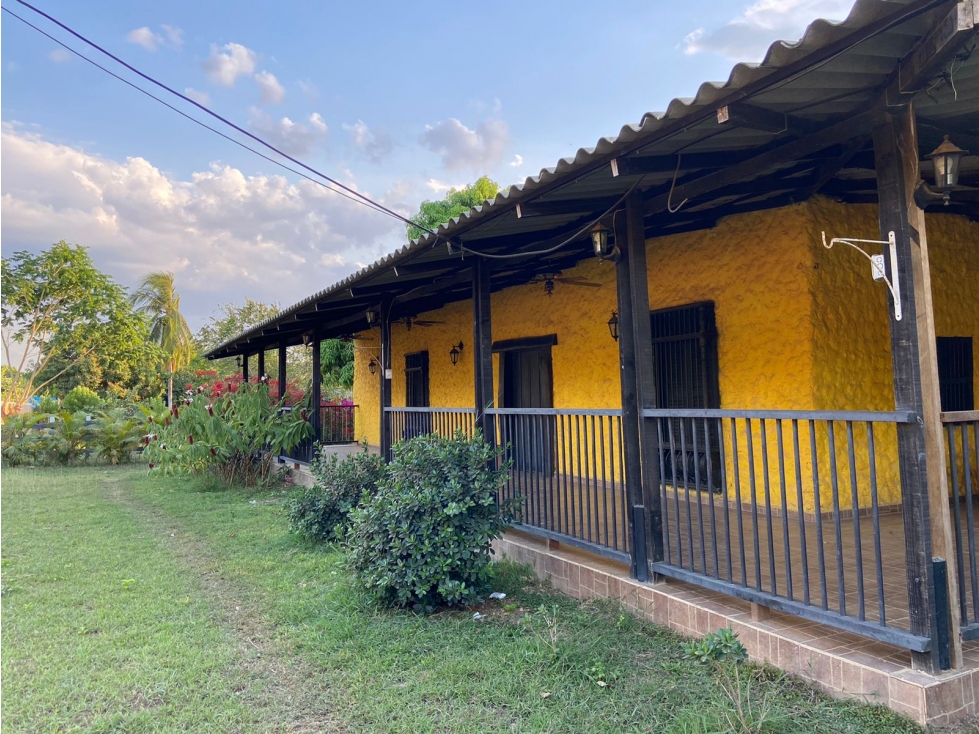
751,116
753,167
564,206
934,51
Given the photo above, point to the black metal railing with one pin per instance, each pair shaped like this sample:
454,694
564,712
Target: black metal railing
795,510
337,424
410,422
567,472
962,446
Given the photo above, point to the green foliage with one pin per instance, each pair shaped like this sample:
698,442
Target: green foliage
321,513
431,214
64,318
234,439
721,646
424,539
230,320
81,398
68,437
115,435
19,444
337,363
48,405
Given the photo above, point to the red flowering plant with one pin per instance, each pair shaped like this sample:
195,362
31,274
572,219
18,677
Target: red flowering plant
230,435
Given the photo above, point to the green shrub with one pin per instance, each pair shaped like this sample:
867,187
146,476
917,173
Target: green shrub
18,443
81,398
720,646
423,540
321,513
47,405
115,435
232,437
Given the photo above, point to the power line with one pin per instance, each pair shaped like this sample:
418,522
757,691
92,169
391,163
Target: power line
353,192
192,119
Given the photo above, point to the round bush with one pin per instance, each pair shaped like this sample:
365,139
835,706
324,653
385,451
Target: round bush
81,398
424,539
321,513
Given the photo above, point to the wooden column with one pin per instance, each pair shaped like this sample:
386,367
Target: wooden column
483,349
244,367
927,527
385,401
315,394
631,416
261,364
282,371
645,375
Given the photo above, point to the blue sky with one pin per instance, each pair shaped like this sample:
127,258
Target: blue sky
400,100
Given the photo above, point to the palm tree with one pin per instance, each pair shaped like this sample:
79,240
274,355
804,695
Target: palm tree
158,300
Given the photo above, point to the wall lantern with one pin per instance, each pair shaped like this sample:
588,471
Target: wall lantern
238,361
599,242
372,366
306,339
454,353
371,317
613,325
946,159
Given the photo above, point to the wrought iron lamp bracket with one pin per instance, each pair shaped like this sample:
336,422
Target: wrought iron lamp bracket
877,263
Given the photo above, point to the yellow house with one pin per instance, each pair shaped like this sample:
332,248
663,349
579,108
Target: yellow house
735,346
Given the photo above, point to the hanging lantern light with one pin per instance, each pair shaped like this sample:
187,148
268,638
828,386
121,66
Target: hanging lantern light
454,353
371,317
613,325
946,158
372,366
238,361
599,241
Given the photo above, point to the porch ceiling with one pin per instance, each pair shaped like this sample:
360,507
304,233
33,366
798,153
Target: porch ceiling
797,124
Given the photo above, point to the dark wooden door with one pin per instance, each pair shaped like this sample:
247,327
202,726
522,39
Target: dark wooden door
417,395
526,383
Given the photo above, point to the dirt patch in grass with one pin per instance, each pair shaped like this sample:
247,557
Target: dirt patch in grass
271,678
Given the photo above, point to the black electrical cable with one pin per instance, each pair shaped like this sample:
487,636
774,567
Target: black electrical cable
184,114
147,77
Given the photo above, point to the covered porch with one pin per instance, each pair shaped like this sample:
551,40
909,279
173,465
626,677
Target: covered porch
736,408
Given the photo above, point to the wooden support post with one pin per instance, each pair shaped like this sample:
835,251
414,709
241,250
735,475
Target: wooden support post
927,526
645,374
631,416
385,418
282,370
316,392
244,367
483,349
261,364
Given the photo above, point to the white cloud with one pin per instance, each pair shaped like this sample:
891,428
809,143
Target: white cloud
271,91
145,37
226,235
747,36
59,56
375,144
175,36
440,187
517,161
226,64
199,97
309,90
461,147
294,138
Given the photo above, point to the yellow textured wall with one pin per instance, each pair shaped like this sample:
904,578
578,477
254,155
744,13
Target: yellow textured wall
799,327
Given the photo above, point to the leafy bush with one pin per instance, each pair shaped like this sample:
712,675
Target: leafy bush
19,444
232,438
47,405
68,437
423,540
115,435
81,398
321,513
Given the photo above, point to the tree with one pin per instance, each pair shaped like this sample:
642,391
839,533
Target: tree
433,213
229,321
157,298
337,363
59,312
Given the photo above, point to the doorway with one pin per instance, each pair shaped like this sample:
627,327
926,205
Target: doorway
526,382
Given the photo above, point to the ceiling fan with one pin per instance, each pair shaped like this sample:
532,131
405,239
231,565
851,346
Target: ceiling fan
410,321
549,279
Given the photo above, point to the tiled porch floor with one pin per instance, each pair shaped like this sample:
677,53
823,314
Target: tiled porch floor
714,539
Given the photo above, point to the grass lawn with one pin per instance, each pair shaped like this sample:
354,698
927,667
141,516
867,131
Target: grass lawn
135,604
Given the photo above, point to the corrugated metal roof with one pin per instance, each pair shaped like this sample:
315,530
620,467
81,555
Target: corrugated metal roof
822,61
